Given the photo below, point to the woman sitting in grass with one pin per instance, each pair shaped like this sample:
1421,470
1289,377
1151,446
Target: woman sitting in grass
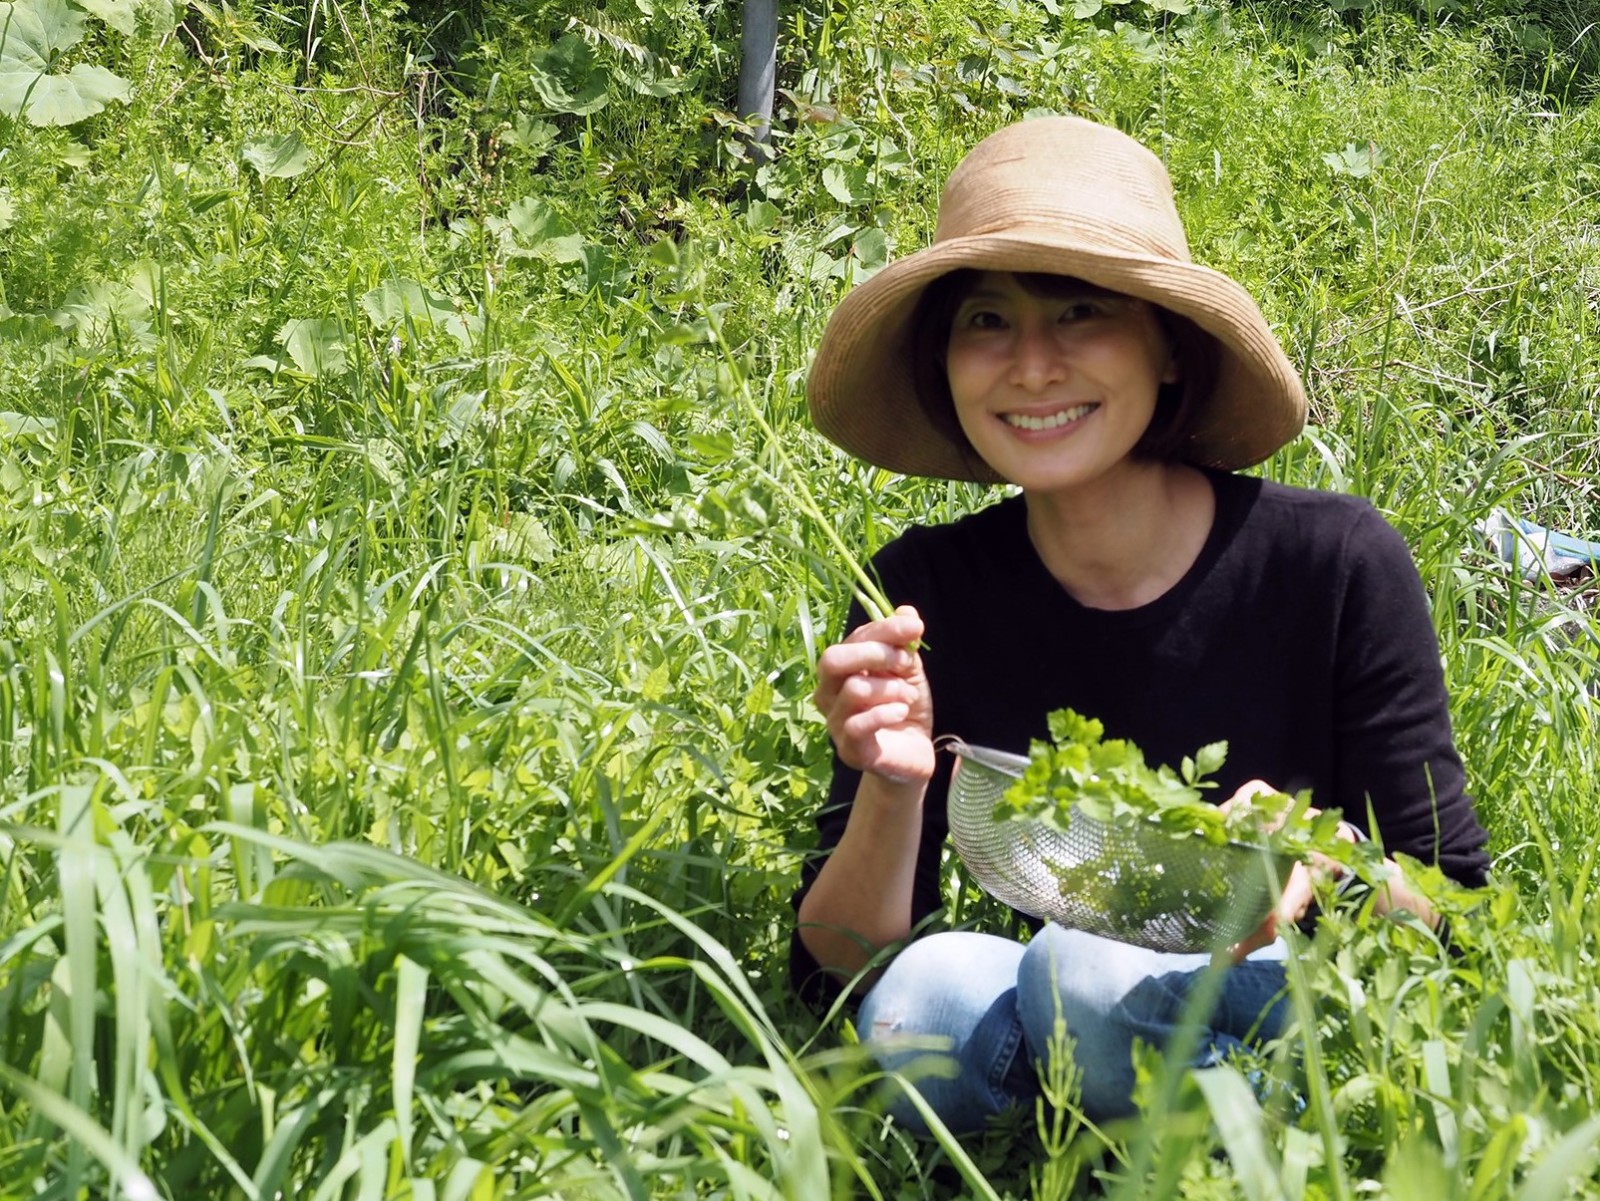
1057,337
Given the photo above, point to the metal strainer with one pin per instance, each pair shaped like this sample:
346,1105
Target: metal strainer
1135,885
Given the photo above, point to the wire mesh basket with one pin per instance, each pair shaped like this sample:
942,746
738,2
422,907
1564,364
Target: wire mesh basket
1140,886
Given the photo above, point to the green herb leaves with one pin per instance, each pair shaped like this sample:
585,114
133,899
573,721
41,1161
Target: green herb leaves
1109,781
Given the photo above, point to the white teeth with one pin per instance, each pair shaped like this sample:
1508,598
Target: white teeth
1025,422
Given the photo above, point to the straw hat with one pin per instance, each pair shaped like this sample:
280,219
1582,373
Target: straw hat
1063,196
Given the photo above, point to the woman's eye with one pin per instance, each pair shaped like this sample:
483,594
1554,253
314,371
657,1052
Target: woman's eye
984,319
1079,310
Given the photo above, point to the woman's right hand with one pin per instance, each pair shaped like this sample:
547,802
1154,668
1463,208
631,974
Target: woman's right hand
874,695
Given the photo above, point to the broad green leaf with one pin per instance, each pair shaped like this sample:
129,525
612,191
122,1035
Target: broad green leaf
758,702
653,438
712,446
402,302
1141,41
398,300
67,99
465,328
125,15
103,312
870,252
658,85
21,425
76,154
521,538
315,345
224,18
1301,1152
526,134
1357,160
278,157
33,35
568,78
121,15
846,184
657,683
604,274
263,362
544,232
762,216
36,31
468,1180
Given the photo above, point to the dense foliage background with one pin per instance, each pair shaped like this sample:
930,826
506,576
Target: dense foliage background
406,625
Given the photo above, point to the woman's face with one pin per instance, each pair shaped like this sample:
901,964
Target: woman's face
1055,386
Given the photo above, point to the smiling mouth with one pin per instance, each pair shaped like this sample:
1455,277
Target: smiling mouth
1027,421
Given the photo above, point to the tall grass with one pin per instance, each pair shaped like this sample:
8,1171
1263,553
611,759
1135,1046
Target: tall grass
406,631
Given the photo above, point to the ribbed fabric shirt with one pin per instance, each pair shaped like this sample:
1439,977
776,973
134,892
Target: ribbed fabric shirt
1301,636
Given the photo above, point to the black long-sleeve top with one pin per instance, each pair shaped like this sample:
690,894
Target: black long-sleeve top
1301,636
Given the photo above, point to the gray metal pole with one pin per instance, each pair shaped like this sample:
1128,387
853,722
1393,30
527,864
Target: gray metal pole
758,70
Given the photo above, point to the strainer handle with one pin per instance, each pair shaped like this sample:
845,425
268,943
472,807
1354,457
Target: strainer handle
1000,761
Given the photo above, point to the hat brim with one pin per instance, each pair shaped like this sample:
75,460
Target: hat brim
862,390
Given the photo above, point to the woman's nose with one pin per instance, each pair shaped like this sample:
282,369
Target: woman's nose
1036,360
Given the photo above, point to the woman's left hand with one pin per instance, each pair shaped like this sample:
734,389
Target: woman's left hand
1299,892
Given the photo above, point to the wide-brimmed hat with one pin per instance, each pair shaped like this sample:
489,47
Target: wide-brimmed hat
1062,196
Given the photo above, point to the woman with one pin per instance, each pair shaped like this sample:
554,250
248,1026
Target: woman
1056,336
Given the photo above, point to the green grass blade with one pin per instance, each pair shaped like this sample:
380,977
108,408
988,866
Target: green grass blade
84,1132
1242,1127
411,995
76,869
1574,1156
948,1142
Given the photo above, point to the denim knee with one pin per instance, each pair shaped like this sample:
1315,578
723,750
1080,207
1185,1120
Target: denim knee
1111,994
1082,978
957,989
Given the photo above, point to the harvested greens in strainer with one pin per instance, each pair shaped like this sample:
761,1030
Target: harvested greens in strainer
1126,877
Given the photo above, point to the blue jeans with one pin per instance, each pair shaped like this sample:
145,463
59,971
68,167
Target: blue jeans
992,1002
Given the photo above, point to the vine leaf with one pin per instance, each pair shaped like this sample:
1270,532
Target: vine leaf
33,36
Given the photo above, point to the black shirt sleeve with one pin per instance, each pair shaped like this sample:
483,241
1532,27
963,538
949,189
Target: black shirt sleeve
1397,760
